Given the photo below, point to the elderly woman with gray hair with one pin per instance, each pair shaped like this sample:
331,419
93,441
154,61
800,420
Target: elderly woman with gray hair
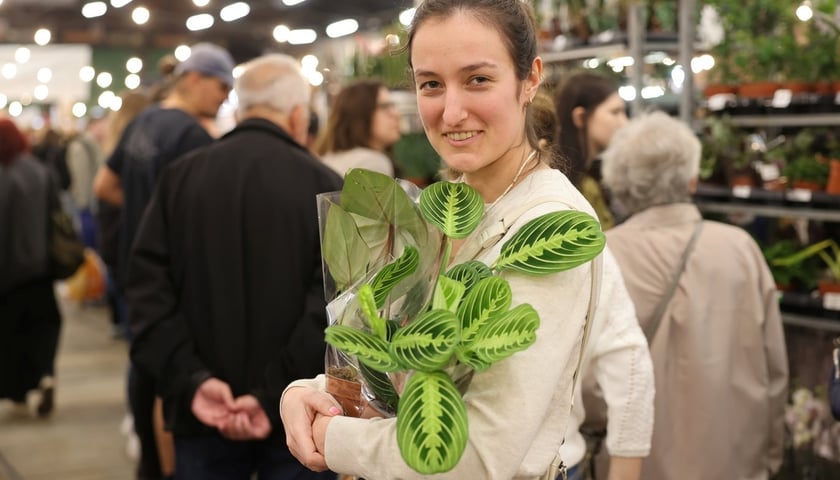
705,296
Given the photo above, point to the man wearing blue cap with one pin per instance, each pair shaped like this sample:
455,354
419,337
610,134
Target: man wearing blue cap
159,135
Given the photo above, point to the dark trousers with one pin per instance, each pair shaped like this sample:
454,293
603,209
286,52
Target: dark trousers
30,324
141,400
212,457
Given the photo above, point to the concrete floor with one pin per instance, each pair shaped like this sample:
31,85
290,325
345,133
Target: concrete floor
81,440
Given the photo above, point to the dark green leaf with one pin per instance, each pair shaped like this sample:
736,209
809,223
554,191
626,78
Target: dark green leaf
381,386
432,426
469,273
380,198
393,273
513,331
344,251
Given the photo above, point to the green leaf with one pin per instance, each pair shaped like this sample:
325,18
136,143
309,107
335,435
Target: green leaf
514,331
469,273
551,243
379,197
455,208
428,342
368,349
488,299
369,309
393,273
381,386
432,426
345,252
448,294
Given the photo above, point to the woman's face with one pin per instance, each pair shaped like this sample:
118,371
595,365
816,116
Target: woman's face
385,128
605,120
468,96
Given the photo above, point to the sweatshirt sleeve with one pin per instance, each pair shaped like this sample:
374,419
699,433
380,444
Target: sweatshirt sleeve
623,368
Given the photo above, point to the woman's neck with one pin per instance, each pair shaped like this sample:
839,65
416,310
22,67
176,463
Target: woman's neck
498,178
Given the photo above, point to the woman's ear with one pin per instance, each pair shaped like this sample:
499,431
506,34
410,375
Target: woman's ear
578,117
533,81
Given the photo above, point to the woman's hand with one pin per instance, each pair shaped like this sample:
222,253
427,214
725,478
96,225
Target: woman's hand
299,409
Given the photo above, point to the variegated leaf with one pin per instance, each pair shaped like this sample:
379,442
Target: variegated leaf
428,342
368,349
393,273
469,273
432,426
448,294
368,305
455,208
487,299
381,386
513,331
551,243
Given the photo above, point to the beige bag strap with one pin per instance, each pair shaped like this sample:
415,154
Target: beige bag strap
557,467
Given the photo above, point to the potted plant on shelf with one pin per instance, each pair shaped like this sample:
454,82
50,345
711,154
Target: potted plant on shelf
829,252
805,168
790,276
408,328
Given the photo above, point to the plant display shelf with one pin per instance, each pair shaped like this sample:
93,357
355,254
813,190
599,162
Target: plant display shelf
792,203
805,310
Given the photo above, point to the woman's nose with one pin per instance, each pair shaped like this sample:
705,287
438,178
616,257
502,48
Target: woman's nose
453,109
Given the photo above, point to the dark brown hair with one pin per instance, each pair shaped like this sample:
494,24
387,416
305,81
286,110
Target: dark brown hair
582,89
350,122
12,142
514,20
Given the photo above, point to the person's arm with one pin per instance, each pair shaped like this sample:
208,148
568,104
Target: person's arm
624,371
777,364
107,186
625,468
162,345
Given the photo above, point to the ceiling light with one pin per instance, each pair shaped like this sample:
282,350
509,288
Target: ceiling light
202,21
302,36
41,92
115,104
119,3
315,78
342,28
22,55
105,98
134,65
407,16
44,75
281,33
309,63
182,52
140,15
292,2
132,81
79,109
94,9
8,70
43,36
201,3
104,79
15,109
234,11
87,73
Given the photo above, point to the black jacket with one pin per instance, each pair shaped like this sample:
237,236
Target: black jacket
224,278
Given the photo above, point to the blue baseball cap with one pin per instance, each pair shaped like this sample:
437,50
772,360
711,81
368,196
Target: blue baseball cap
208,59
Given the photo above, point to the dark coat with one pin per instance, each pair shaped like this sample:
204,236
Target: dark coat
225,276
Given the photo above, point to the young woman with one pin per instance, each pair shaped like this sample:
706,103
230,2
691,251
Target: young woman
589,111
362,127
476,71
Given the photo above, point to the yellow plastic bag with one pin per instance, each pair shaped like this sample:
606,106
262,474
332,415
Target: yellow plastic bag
88,283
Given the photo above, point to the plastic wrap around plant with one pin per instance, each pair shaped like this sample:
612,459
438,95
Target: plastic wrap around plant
406,330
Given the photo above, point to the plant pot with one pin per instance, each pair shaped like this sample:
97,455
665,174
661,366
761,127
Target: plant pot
833,185
719,88
808,185
757,89
348,393
828,287
797,87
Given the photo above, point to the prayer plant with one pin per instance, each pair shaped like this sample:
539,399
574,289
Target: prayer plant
412,328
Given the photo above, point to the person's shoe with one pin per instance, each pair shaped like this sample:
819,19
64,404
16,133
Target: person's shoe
47,401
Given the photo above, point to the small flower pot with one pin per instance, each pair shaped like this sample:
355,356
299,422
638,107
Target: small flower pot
833,185
808,185
348,393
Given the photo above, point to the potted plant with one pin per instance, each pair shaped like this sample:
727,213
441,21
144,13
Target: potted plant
799,275
411,328
829,252
805,168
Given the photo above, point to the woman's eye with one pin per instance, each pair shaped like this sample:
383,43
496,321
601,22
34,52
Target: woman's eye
431,84
479,80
